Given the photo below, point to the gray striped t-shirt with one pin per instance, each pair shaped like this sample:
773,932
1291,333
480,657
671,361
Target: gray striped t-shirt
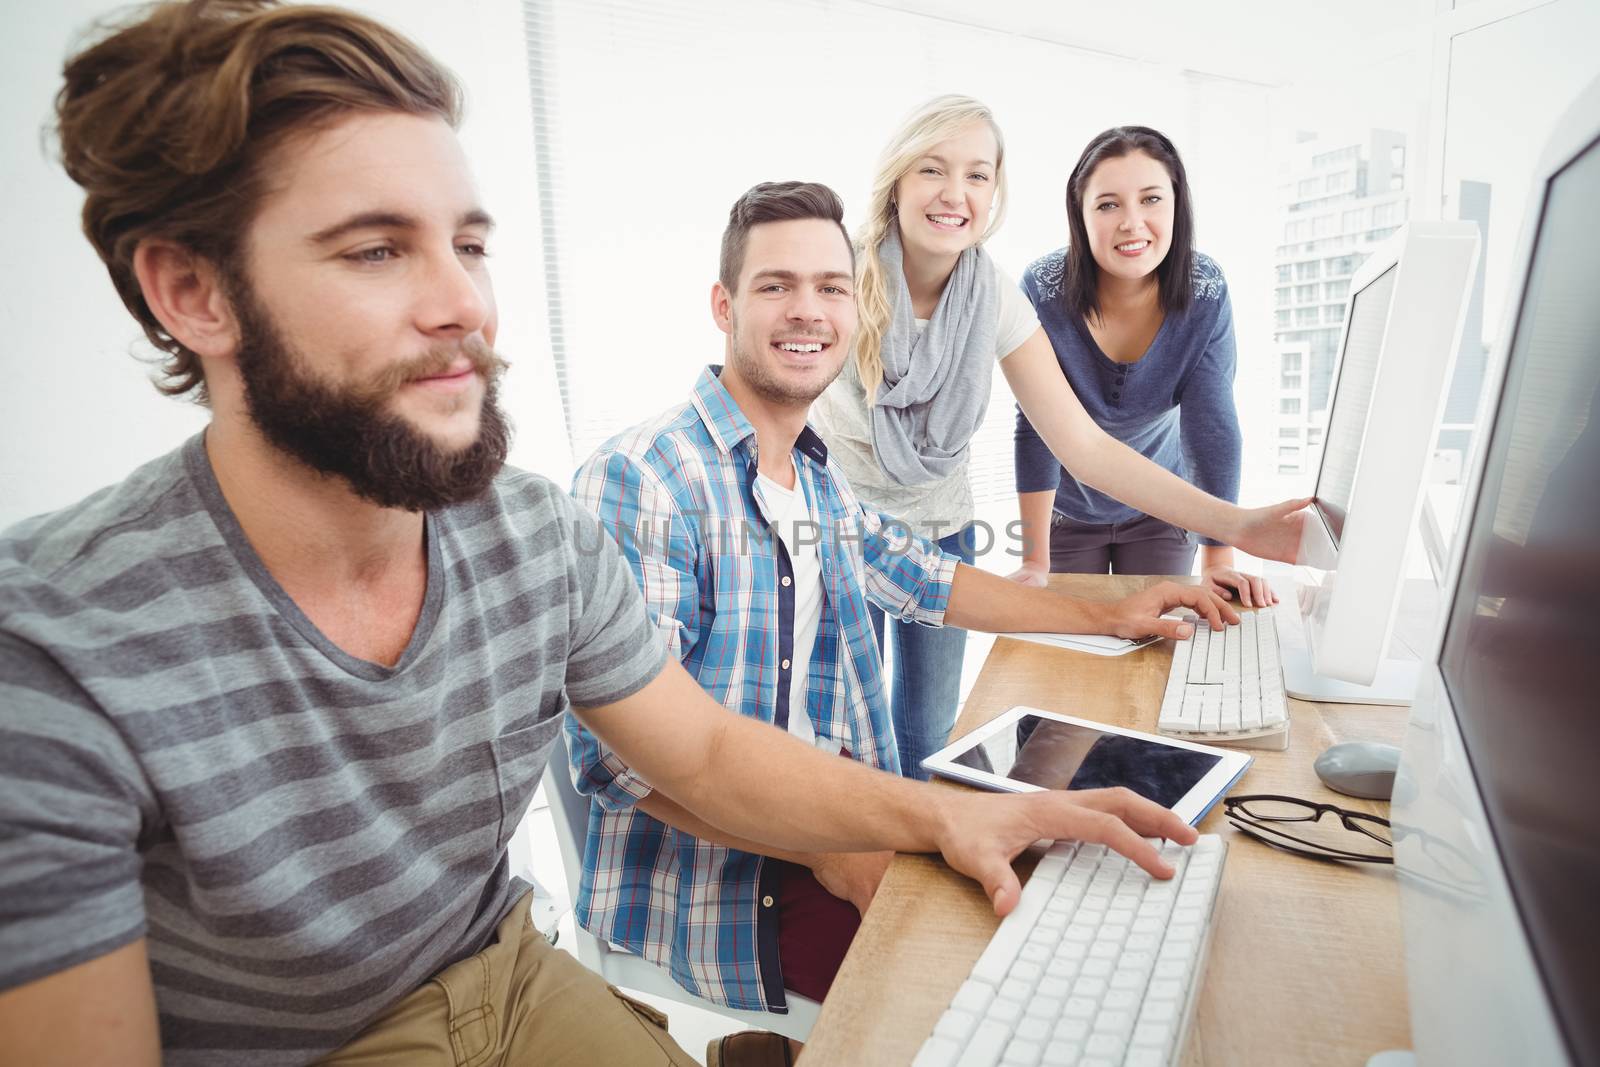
303,837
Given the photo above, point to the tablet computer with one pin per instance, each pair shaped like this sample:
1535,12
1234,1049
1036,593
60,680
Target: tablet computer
1026,750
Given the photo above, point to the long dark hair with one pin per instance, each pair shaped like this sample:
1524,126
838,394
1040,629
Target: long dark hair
1080,291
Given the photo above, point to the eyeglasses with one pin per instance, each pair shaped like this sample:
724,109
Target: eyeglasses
1264,814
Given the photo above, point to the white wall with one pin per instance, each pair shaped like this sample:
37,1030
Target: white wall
76,407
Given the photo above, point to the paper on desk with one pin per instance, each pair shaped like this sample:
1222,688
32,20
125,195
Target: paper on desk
1094,644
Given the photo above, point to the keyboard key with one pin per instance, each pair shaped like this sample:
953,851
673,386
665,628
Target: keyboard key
1026,972
1152,1035
1098,968
1106,1045
1034,1028
1006,1012
1054,988
1014,989
988,1041
1022,1053
955,1024
1080,1008
1063,1054
1045,1007
938,1052
972,997
1090,987
1068,1029
1064,968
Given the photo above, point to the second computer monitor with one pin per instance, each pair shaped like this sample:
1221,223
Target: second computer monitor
1408,303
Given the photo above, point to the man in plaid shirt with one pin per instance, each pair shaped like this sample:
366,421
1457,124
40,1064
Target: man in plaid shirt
757,563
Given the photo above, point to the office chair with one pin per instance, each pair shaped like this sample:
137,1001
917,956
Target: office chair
570,811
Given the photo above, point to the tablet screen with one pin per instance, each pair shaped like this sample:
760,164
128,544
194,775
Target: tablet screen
1064,755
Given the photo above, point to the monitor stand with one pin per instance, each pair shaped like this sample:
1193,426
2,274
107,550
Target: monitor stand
1395,683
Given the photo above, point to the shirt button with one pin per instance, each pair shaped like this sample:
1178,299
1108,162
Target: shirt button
785,664
785,581
766,902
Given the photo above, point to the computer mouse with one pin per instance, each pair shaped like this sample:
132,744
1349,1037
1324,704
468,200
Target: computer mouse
1359,769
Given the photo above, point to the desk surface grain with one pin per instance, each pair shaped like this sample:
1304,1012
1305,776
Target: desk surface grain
1305,966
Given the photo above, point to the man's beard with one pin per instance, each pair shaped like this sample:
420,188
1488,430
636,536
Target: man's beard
753,369
348,431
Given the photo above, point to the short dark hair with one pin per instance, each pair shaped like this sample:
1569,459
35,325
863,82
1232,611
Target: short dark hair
1080,292
166,123
776,202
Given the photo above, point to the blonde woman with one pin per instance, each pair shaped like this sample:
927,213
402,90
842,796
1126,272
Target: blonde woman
935,313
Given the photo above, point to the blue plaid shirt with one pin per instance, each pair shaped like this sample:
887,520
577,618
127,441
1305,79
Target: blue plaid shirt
678,496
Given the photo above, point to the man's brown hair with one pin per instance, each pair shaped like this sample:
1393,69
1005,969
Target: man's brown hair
776,202
166,123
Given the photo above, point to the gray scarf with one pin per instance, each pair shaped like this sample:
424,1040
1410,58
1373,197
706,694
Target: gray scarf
936,386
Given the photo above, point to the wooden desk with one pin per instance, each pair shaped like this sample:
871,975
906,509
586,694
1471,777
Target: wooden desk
1305,967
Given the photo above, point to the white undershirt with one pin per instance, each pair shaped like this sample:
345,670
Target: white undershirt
791,516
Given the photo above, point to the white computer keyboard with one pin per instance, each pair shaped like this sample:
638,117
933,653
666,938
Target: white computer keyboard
1226,684
1097,967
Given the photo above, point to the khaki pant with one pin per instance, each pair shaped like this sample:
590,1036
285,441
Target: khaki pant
518,1002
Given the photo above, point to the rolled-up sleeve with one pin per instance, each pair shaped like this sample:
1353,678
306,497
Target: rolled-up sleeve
907,576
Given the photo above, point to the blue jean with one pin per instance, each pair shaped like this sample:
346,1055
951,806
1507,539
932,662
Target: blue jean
926,674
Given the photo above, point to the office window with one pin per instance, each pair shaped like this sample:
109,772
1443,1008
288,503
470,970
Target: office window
1283,297
1309,187
1335,312
1313,435
1306,316
1339,181
1389,214
1397,157
1287,452
1288,468
1289,432
1307,272
1291,381
1291,362
1355,219
1335,290
1304,294
1338,155
1280,318
1283,272
1289,405
1296,231
1322,225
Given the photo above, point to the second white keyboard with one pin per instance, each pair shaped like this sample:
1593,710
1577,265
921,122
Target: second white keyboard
1226,684
1096,967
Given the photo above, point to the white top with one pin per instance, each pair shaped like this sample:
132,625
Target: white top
790,515
933,509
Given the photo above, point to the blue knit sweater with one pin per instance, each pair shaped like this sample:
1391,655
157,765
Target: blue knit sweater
1174,405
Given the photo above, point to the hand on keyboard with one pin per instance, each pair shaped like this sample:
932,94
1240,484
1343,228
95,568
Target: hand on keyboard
1251,589
984,832
1139,615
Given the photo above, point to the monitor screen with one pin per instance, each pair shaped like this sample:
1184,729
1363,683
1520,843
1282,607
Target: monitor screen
1352,398
1519,654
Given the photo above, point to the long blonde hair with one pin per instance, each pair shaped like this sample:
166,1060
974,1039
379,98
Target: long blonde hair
938,120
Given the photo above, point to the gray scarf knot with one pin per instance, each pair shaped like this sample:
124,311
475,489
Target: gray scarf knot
935,387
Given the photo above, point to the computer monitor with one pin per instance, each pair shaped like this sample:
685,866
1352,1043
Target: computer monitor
1497,803
1407,305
